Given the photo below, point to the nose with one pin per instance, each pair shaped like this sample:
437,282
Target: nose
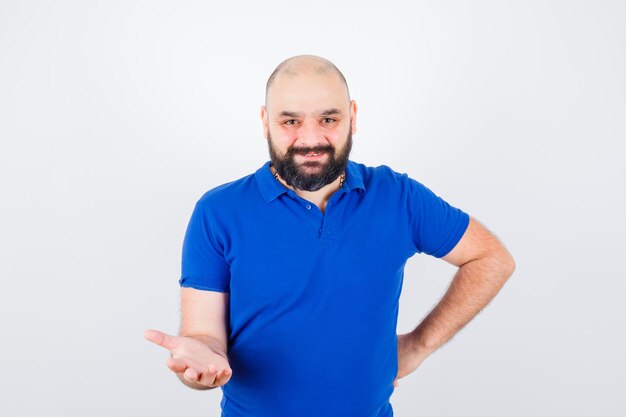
311,134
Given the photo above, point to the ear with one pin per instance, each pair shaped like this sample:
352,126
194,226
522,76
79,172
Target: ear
265,121
353,110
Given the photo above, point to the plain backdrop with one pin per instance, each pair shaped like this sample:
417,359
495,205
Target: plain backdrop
116,116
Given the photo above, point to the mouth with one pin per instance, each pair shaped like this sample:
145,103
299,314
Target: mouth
312,155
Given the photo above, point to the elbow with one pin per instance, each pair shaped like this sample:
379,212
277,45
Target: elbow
507,263
500,262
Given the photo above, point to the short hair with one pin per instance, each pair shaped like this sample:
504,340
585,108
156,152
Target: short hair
324,66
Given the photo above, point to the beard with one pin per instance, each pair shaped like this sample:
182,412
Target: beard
297,175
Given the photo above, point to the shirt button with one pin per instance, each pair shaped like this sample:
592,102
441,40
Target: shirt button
308,207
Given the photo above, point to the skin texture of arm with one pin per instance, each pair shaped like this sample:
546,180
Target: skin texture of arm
484,266
199,353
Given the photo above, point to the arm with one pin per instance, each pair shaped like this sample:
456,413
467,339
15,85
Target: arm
484,266
204,317
199,354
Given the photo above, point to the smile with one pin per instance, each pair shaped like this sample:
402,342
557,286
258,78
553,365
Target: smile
312,155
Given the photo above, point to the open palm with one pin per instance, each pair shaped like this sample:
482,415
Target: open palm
194,360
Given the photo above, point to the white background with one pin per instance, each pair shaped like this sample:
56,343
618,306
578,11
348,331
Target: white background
116,116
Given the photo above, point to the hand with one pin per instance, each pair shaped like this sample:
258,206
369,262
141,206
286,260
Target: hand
409,357
193,360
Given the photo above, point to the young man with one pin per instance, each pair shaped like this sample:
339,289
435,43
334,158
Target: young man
291,276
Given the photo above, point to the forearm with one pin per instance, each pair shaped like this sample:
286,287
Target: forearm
473,287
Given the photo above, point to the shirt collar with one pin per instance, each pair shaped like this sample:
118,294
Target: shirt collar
271,188
354,178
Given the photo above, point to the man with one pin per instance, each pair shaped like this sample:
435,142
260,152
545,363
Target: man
291,276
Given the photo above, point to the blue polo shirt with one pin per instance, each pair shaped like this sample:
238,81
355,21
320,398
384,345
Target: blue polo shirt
313,302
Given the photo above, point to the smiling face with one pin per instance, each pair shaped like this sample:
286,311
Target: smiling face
308,121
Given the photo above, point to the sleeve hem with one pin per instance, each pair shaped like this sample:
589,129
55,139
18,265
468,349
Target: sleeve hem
187,283
454,238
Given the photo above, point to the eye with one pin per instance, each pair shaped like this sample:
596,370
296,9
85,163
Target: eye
328,120
289,122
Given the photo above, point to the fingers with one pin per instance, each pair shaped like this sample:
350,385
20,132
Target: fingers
192,375
160,338
176,365
209,377
395,383
224,377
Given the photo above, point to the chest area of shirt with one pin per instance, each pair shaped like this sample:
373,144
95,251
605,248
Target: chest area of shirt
294,257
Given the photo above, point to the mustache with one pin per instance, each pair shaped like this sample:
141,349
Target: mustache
317,149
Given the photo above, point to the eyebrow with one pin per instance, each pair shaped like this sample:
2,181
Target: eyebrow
327,112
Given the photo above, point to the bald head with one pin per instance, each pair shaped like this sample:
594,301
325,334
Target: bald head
303,65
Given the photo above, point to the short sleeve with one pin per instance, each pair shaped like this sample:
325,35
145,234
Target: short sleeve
436,226
203,265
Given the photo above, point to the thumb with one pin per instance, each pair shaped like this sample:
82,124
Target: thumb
162,339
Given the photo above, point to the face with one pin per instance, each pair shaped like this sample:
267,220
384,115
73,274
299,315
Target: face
309,122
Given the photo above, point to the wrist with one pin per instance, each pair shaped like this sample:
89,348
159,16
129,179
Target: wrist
420,344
